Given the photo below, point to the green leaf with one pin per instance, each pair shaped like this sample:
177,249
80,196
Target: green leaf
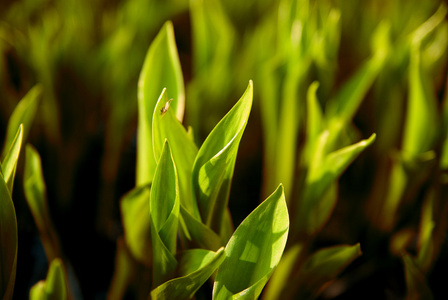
36,197
215,162
161,69
254,250
282,273
164,209
55,287
23,114
137,224
197,265
426,28
124,272
421,125
342,108
417,286
320,195
198,232
9,163
8,242
319,269
167,127
315,121
426,238
444,154
213,36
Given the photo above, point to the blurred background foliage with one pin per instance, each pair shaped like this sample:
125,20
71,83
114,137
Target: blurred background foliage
381,67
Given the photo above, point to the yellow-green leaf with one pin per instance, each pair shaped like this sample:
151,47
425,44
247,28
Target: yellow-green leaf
417,286
320,268
214,164
137,224
164,209
161,69
23,114
196,266
319,196
9,163
55,287
36,197
254,250
8,242
165,126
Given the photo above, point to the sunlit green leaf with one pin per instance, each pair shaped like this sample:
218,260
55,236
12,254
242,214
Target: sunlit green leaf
196,266
136,222
161,69
23,114
417,286
215,162
35,194
254,250
166,126
55,287
9,163
8,242
164,209
320,268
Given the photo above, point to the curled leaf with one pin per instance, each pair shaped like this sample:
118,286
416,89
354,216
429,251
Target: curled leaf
164,209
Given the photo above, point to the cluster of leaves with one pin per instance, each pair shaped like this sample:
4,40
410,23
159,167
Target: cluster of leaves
322,105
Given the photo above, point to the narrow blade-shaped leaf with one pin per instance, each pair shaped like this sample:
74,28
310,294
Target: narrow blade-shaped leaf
137,224
36,197
8,242
125,269
161,69
213,168
417,286
283,272
164,209
350,96
421,126
315,121
55,287
254,250
426,239
167,127
319,269
9,163
197,265
23,114
320,190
